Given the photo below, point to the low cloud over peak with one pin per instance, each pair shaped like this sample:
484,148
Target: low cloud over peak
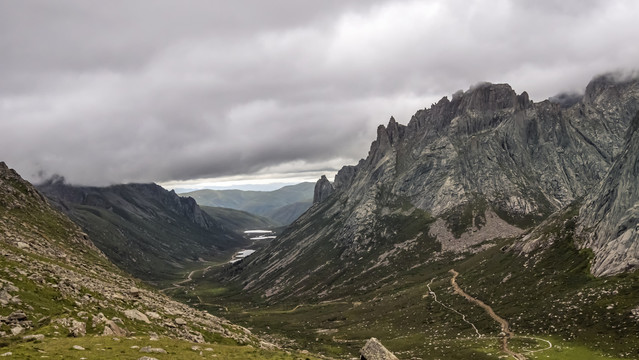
160,90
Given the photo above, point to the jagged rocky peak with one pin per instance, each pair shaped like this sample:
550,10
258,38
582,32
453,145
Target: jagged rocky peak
394,131
323,189
566,99
491,97
387,138
460,147
487,98
609,220
613,81
475,107
345,176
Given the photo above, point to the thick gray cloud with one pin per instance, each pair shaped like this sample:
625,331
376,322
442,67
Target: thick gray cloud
118,91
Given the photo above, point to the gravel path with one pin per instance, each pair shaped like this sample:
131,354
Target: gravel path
432,293
506,333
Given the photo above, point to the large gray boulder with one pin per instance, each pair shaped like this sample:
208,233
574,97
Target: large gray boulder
374,350
134,314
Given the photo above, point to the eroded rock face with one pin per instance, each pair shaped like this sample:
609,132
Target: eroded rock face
344,177
526,160
374,350
609,220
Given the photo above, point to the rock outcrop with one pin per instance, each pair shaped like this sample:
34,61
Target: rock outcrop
323,189
374,350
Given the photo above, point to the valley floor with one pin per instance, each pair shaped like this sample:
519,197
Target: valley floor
437,313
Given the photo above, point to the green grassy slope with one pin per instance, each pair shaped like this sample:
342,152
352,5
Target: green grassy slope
107,348
57,291
547,296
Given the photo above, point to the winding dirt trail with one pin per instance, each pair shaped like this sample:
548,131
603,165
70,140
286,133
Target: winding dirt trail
540,340
505,327
432,293
189,278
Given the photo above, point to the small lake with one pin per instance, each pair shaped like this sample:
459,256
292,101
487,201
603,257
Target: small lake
241,255
261,235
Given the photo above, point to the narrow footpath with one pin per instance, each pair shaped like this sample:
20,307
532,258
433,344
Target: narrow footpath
432,293
189,278
506,333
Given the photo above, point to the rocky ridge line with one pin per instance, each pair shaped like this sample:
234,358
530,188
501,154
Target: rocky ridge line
486,164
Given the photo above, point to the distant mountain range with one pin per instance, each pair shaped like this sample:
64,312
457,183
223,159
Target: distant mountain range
281,206
238,220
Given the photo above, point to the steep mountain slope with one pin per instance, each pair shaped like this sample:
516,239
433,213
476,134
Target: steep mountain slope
524,200
554,306
60,297
288,213
237,220
610,217
143,228
487,164
276,205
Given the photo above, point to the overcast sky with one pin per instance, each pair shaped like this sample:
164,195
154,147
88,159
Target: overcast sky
106,92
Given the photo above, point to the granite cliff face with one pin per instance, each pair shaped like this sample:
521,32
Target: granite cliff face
490,151
486,164
526,159
609,220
